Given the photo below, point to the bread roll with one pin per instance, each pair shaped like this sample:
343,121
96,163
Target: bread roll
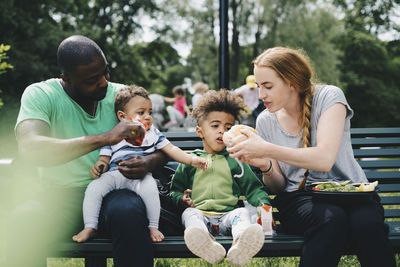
234,135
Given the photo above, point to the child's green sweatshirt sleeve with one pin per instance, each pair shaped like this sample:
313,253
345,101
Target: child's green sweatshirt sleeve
252,188
179,184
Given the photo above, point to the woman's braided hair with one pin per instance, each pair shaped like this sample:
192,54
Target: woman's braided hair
293,66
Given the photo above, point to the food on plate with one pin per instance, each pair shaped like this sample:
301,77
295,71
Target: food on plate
333,186
345,187
234,135
368,187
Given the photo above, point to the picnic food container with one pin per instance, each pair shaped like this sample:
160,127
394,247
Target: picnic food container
264,218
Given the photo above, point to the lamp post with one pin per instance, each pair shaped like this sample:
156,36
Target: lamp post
223,45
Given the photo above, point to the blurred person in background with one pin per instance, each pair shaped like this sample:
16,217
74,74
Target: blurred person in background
177,111
249,92
199,90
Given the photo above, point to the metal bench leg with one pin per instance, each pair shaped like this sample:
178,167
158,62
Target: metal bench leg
98,261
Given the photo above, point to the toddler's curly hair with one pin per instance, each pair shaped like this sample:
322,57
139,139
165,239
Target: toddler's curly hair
221,100
127,93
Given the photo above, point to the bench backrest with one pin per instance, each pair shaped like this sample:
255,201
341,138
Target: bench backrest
376,149
378,152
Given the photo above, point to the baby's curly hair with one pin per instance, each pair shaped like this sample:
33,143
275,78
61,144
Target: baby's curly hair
127,93
221,100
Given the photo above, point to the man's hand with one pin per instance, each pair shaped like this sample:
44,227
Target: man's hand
185,200
125,129
133,168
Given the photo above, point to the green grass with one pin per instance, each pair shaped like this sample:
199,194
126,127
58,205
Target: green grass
256,262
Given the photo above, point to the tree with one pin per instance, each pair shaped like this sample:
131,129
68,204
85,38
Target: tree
33,34
369,65
315,31
35,28
370,15
155,66
202,34
371,78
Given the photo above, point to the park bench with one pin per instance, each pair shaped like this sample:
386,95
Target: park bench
377,151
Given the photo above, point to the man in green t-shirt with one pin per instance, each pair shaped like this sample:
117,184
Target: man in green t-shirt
61,126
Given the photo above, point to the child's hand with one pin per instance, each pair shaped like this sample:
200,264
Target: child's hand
98,168
199,162
185,200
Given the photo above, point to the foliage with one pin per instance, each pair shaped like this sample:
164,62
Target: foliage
3,64
315,32
370,73
154,65
35,28
370,66
370,15
34,35
202,62
112,24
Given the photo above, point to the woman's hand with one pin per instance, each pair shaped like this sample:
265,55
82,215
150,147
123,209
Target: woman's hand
251,150
262,163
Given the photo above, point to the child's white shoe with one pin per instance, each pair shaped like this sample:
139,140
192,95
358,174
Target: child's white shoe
203,245
247,245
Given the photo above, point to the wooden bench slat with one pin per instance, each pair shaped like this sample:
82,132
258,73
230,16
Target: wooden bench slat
375,132
176,136
394,227
390,200
383,176
375,142
376,164
388,188
376,153
188,145
392,213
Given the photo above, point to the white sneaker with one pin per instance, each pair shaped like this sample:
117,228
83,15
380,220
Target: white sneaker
247,245
203,245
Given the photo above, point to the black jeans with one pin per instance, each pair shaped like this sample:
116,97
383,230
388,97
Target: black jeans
55,215
328,227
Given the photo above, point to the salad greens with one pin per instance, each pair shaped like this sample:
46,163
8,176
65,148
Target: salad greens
332,186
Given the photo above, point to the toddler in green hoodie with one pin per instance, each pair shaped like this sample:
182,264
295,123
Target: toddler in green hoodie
210,197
